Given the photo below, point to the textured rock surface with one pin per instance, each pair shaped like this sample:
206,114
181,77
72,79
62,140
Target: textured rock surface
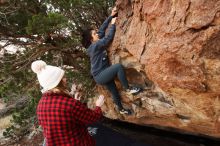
172,49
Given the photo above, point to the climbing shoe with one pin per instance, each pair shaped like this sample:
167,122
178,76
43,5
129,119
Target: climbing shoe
133,90
125,111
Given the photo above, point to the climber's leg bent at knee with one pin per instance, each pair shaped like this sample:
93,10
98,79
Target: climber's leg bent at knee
111,72
106,77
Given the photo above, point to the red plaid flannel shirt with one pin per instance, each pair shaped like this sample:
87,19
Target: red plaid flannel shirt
64,120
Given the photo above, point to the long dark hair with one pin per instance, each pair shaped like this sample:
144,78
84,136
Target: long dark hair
86,37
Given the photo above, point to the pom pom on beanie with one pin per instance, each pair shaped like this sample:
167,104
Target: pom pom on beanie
38,66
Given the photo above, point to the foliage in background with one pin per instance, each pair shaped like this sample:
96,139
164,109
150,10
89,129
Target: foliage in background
47,30
46,24
23,120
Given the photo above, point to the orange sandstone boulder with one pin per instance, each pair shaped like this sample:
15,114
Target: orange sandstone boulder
171,48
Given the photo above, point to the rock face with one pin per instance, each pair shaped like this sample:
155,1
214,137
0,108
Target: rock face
171,48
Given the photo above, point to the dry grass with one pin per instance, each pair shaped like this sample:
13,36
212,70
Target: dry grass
5,122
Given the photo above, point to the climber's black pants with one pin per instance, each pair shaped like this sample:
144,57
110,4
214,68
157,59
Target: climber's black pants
106,78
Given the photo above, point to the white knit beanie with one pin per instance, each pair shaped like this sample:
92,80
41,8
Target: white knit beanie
48,76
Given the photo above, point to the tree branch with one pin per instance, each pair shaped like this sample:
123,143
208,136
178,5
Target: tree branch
19,104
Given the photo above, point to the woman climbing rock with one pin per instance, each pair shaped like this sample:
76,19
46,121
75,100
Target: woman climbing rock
103,73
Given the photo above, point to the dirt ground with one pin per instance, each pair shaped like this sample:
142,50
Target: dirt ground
36,140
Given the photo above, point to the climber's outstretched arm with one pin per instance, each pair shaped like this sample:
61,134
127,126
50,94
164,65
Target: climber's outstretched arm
104,26
105,41
108,38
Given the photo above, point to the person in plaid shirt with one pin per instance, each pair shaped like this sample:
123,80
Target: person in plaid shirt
64,119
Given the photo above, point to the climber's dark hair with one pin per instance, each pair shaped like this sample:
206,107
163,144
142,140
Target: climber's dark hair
86,37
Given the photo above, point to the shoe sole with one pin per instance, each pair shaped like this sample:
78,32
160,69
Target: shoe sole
136,93
126,114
